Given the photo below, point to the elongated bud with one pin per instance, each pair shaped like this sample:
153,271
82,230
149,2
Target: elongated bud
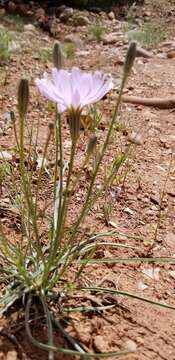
23,97
130,57
91,145
12,116
58,56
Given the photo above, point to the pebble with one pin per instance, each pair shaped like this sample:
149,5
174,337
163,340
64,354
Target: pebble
80,20
29,27
135,138
12,355
73,38
14,47
171,54
131,345
110,38
111,15
5,155
66,14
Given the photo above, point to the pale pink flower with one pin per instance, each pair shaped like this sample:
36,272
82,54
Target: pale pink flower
74,88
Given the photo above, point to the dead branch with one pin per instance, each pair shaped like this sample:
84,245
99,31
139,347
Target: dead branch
168,103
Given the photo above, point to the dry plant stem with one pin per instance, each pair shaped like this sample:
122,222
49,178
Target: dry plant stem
27,190
162,198
168,103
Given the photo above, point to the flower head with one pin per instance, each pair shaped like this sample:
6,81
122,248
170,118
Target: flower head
74,88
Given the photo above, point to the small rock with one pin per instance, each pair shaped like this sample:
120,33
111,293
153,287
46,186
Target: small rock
66,14
99,343
111,15
60,9
73,38
171,54
110,38
5,155
172,274
131,345
30,28
119,61
164,142
141,285
6,117
147,14
14,47
11,355
142,52
170,240
171,192
155,199
135,138
113,224
127,210
84,334
140,340
153,273
40,15
11,7
80,20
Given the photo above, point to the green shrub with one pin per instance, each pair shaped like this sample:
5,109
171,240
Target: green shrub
150,35
97,31
4,46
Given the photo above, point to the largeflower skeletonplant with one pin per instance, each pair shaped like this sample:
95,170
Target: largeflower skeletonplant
74,89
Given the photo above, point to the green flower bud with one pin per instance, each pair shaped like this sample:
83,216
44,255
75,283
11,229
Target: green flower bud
130,57
58,56
23,97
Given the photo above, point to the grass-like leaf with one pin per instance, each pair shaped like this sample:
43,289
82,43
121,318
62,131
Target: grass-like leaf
125,293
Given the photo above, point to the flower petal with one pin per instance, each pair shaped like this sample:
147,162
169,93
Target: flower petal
74,88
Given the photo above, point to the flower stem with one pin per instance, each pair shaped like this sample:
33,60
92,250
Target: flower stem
27,190
61,217
86,203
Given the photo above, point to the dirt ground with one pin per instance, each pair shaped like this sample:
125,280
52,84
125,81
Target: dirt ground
136,204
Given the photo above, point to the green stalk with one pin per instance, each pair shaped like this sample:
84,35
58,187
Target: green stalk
58,141
61,219
86,203
49,326
40,171
125,293
26,188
